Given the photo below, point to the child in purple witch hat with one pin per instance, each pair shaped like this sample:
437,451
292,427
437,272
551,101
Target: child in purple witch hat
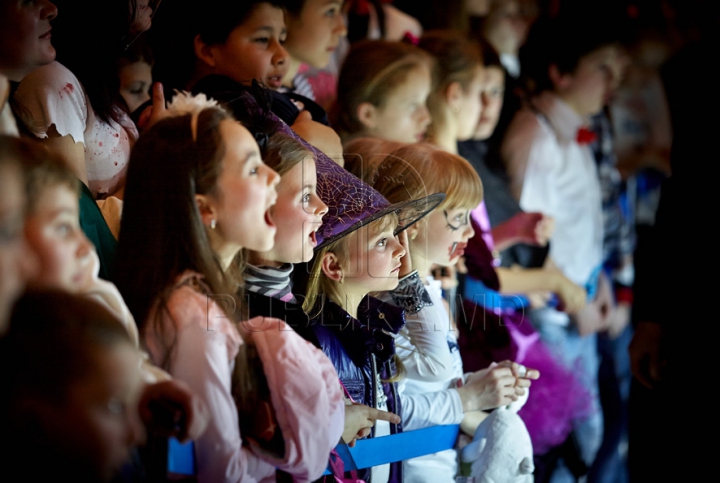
359,252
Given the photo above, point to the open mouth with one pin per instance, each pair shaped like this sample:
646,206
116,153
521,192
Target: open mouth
457,250
269,220
313,239
274,81
47,34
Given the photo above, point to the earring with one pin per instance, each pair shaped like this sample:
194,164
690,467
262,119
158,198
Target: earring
342,277
213,224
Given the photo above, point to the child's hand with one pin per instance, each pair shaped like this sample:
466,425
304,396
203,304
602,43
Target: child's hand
169,408
360,418
522,374
572,297
405,261
618,319
489,388
322,137
158,111
589,320
528,228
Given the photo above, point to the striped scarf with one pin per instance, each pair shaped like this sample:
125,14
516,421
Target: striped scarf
270,281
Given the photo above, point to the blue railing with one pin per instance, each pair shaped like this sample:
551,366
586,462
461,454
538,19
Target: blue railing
365,454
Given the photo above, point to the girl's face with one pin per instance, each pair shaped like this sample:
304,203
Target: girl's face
469,107
98,422
135,83
245,192
492,102
298,214
373,261
315,33
254,49
25,36
404,116
443,237
53,232
17,262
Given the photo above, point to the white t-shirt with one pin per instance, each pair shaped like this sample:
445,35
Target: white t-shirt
553,174
52,95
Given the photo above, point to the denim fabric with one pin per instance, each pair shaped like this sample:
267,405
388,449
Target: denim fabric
578,354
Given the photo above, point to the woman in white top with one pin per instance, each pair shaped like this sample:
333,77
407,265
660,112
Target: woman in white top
75,103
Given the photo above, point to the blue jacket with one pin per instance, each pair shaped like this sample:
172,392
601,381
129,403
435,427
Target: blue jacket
359,350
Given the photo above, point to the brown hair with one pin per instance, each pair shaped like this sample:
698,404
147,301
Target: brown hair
370,72
284,152
42,170
456,58
362,155
411,172
162,234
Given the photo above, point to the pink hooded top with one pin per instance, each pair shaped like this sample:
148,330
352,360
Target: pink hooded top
305,394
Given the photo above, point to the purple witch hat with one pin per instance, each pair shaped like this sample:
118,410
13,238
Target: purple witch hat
352,203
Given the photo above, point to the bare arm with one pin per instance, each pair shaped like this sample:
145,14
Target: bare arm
543,279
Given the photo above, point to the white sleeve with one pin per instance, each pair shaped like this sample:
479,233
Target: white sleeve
423,348
539,189
431,409
52,95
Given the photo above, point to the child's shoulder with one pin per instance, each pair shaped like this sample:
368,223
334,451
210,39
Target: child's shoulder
191,299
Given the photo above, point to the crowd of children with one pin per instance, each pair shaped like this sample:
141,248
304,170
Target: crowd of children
277,227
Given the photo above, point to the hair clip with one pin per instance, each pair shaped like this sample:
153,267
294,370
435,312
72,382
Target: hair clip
262,140
411,38
185,103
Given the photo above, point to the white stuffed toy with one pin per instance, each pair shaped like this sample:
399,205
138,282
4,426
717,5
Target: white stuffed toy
501,450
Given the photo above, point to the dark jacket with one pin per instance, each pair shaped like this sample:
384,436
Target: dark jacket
359,350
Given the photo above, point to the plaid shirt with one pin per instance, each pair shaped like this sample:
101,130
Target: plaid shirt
619,239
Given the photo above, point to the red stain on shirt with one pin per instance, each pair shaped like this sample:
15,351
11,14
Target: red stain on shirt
67,89
100,144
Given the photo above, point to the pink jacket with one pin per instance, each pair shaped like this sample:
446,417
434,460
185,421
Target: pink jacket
307,399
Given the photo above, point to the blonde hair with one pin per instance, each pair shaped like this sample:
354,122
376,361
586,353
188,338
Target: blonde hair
320,286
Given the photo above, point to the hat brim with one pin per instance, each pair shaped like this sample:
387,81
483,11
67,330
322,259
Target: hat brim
409,212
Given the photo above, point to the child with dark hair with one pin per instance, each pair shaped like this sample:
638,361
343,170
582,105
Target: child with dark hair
225,47
74,398
315,31
201,172
135,71
566,63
